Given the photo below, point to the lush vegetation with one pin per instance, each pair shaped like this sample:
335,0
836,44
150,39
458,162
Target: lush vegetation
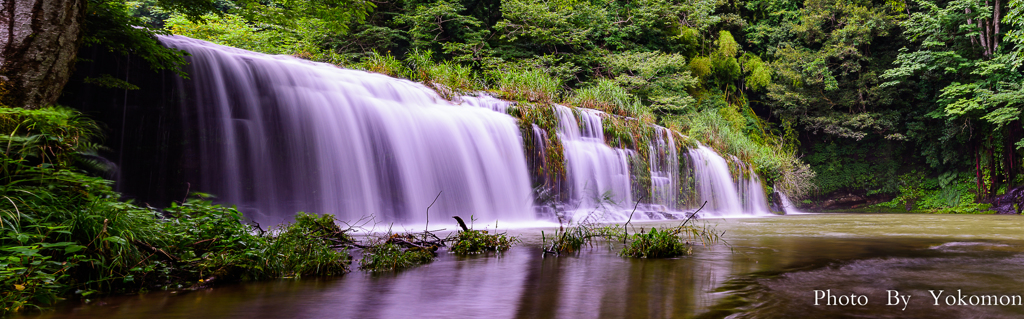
915,102
66,234
469,242
820,96
387,256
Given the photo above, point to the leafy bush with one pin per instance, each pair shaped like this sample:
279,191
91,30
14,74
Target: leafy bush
61,230
671,242
572,238
533,85
478,241
212,241
655,244
66,234
608,96
389,257
950,193
772,159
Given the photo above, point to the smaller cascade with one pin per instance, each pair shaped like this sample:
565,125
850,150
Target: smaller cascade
595,172
714,183
486,101
664,170
755,202
788,206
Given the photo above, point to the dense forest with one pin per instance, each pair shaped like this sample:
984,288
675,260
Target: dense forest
909,104
916,102
886,104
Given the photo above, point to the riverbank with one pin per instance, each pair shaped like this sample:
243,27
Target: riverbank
771,259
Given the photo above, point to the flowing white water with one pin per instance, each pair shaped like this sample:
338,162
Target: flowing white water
664,161
596,173
278,135
788,206
755,202
714,183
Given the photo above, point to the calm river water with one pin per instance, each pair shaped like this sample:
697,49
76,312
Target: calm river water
772,270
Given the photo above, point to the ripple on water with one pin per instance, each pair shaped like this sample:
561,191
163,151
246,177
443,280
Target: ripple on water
974,268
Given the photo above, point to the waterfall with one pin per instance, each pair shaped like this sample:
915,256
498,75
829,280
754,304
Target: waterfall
276,135
714,183
597,174
788,206
755,202
664,159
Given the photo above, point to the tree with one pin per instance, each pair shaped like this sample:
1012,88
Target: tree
40,39
38,44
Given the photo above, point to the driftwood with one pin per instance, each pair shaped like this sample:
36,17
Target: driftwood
415,241
155,250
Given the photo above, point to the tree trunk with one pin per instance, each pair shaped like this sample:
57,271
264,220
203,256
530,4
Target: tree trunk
993,173
39,41
1013,134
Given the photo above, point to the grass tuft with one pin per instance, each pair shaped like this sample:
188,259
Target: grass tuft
479,241
531,85
391,257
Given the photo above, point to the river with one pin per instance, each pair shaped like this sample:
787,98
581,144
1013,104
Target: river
771,268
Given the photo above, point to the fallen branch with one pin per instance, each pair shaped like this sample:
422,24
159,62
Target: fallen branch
155,250
694,214
625,231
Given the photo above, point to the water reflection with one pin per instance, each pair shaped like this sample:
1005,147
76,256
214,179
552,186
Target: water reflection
767,272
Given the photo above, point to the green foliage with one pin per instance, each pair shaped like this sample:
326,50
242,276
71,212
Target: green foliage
658,79
949,193
437,25
759,75
854,166
1015,18
108,81
390,257
235,31
607,96
213,241
66,234
109,24
672,242
570,239
51,136
776,162
479,241
448,78
701,67
727,45
726,68
332,16
62,231
654,244
526,85
384,64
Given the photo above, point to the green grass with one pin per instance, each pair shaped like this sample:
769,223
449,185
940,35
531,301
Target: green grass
607,96
387,256
479,241
384,64
65,234
668,243
772,160
655,244
532,85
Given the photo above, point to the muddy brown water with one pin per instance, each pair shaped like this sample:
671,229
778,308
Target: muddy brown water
774,267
